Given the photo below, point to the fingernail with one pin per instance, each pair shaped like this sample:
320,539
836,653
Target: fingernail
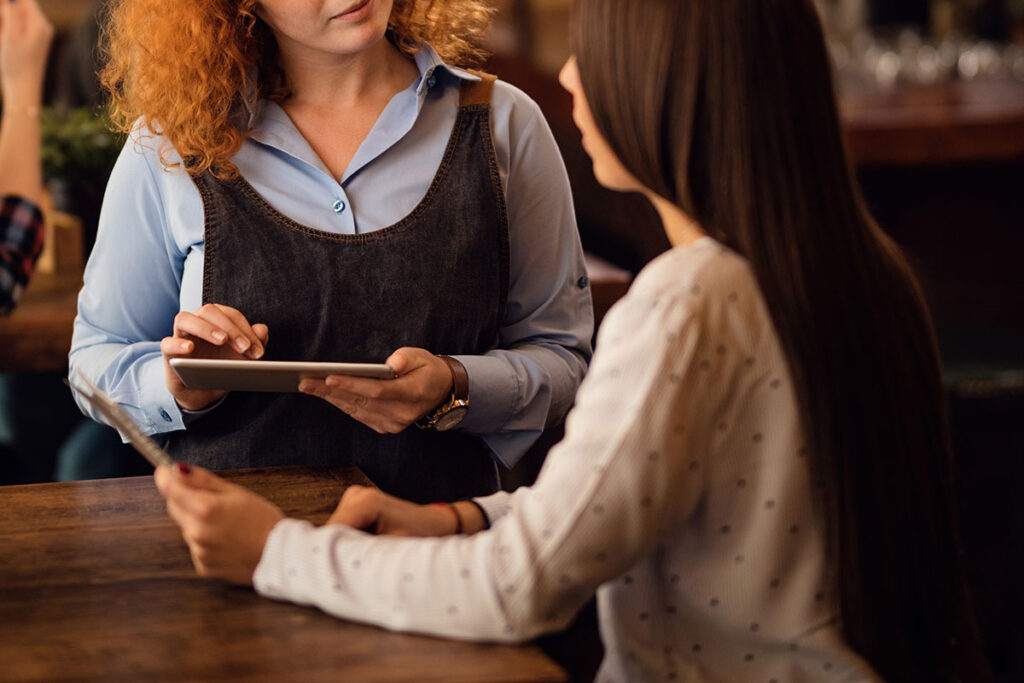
242,344
183,468
220,336
185,346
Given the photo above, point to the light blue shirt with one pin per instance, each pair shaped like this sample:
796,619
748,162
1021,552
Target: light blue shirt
147,264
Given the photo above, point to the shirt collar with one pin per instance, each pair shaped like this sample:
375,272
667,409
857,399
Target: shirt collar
270,125
428,61
257,116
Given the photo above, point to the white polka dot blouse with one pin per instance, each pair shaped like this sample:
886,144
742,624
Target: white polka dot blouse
680,494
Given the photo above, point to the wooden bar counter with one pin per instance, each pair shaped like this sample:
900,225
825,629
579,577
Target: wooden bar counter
948,123
36,337
96,584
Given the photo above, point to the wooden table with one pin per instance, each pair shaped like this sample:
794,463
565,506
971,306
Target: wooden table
96,584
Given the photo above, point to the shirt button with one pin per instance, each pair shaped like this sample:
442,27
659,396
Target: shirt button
432,81
164,415
583,282
339,206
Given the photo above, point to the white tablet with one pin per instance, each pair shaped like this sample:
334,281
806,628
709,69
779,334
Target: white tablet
266,375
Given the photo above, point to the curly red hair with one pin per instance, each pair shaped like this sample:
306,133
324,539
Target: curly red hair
182,67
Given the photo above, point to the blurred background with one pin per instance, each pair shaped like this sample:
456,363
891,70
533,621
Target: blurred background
932,97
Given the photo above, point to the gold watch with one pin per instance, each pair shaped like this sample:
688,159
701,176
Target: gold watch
454,408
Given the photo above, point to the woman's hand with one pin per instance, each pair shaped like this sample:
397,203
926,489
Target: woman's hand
372,510
389,406
25,37
224,525
213,331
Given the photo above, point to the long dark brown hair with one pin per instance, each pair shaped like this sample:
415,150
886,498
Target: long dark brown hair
727,108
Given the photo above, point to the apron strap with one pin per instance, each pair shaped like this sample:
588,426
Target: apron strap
477,92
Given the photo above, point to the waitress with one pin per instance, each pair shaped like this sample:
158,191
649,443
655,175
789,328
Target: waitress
304,183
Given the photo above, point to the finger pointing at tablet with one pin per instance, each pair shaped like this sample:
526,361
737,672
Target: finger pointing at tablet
212,331
220,326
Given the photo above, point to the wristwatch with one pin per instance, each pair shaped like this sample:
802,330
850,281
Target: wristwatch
451,411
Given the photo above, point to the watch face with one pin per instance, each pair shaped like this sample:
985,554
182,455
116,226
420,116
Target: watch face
451,418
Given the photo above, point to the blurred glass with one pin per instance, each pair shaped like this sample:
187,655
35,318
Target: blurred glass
881,62
885,58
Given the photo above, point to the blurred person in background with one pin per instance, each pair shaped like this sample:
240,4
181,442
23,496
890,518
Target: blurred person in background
25,37
42,435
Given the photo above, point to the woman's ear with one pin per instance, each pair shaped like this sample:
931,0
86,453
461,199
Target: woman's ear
569,76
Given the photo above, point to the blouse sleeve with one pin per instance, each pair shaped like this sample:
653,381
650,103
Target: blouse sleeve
631,467
530,380
21,242
131,293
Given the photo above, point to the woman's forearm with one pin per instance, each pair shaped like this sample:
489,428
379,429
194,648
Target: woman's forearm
25,36
20,150
471,518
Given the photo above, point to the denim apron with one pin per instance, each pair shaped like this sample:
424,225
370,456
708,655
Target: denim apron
437,279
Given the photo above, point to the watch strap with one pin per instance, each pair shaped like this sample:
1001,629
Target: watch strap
459,399
460,378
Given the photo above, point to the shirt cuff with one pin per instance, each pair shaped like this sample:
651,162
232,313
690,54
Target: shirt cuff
494,394
495,397
496,505
271,578
161,410
23,222
288,568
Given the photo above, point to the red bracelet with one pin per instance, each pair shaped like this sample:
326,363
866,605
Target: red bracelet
455,511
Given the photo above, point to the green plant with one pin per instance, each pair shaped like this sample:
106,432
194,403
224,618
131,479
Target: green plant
78,145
